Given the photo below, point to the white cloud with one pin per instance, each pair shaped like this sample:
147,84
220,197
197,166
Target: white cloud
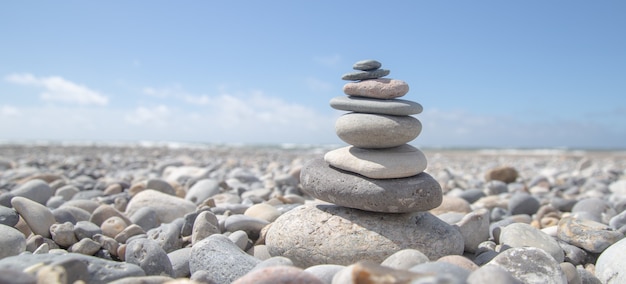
7,110
318,85
154,116
61,90
328,60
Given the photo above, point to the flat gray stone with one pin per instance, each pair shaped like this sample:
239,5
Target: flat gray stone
8,216
611,263
316,234
12,241
405,259
589,235
36,190
167,207
365,130
530,265
475,228
325,272
377,88
397,162
366,65
202,189
364,75
180,262
491,274
377,106
524,235
147,254
399,195
38,217
222,259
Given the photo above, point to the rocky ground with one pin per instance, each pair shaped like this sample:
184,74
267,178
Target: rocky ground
136,214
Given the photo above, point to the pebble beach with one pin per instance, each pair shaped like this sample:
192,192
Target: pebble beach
103,213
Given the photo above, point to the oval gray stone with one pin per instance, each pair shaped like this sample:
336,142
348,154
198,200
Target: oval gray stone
530,265
524,235
221,258
12,241
378,106
36,190
397,162
364,75
366,65
331,234
8,216
365,130
420,192
611,263
405,259
38,217
202,190
148,255
167,207
378,88
589,235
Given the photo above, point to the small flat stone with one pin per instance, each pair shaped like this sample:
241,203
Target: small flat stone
530,265
524,235
376,106
366,130
222,259
377,88
611,263
365,75
405,259
366,65
475,229
325,272
204,225
63,234
8,216
202,189
12,241
167,236
417,193
180,262
85,246
397,162
589,235
331,234
38,217
147,254
167,207
36,190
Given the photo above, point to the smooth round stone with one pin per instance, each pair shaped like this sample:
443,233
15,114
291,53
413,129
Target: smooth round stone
530,265
369,272
523,203
397,162
146,218
365,75
86,247
452,204
278,275
417,193
611,263
593,209
331,234
263,211
12,241
377,106
113,226
240,238
63,234
459,261
167,236
475,229
366,130
202,189
104,212
38,217
160,185
366,65
204,225
8,216
524,235
252,226
86,229
128,232
71,214
589,235
405,259
458,273
223,259
147,254
167,207
491,274
180,262
36,190
325,272
378,88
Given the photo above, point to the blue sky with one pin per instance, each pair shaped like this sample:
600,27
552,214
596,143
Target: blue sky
488,73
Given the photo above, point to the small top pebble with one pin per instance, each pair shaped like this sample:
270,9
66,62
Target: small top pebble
366,65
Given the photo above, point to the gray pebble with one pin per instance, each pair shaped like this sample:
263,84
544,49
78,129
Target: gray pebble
202,190
611,263
573,254
167,236
491,274
131,230
38,217
587,277
442,268
618,221
224,260
205,224
405,259
475,228
524,235
107,243
374,105
325,272
589,235
180,262
12,241
86,229
251,225
148,255
63,234
8,216
471,195
55,202
86,247
67,192
240,238
146,218
594,209
366,65
161,186
523,203
273,261
16,277
36,190
364,75
530,265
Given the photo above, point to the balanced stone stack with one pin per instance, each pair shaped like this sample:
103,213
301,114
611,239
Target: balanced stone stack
376,190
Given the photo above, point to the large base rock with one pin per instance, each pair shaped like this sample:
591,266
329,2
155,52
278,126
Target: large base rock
329,234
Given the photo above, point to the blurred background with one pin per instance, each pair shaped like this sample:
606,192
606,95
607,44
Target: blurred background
489,74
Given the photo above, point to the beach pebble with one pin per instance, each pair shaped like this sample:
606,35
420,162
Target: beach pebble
240,238
325,272
251,225
370,272
222,259
108,244
417,193
86,229
594,209
148,255
405,259
618,187
38,217
12,241
365,65
530,265
570,273
459,261
161,186
505,174
330,234
146,218
524,235
113,226
366,130
16,277
377,106
202,189
263,211
8,216
128,232
205,224
377,88
587,277
611,263
70,214
67,192
523,203
180,262
452,204
36,190
63,234
85,246
474,228
167,207
491,274
457,273
105,212
495,187
167,236
589,235
618,221
396,162
181,174
278,275
365,75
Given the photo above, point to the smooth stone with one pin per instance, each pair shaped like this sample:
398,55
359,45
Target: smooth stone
523,203
204,225
325,272
405,259
570,273
108,243
618,187
587,277
147,254
12,241
222,259
459,261
365,75
594,209
86,230
365,130
366,65
505,174
146,218
273,261
85,246
452,204
369,272
417,193
263,211
180,262
36,190
384,89
161,186
128,232
70,214
167,236
278,275
472,194
8,216
16,277
611,263
491,274
524,235
589,235
252,226
618,221
181,174
331,234
105,212
376,106
63,234
458,273
530,265
87,205
202,189
495,187
573,254
397,162
99,270
167,207
113,226
67,192
240,238
38,217
474,228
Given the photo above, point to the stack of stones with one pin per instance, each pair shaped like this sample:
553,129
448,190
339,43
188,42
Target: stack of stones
375,192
